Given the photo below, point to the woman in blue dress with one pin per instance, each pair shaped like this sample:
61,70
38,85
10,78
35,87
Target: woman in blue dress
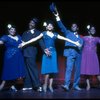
49,62
13,59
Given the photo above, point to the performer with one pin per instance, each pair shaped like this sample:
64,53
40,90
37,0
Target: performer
13,68
49,63
71,52
90,63
30,51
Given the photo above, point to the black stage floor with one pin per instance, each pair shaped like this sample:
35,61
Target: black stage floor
59,93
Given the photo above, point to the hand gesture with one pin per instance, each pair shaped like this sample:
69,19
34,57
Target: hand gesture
78,44
47,52
53,9
21,45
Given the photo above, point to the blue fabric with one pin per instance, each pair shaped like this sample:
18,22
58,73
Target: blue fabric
13,59
73,56
49,42
69,34
52,7
49,64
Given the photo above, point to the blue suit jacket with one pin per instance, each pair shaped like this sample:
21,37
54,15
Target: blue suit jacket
73,49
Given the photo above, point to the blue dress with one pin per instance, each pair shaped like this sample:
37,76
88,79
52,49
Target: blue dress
13,59
49,64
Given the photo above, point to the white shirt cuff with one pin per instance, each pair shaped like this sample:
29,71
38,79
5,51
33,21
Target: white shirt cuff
57,18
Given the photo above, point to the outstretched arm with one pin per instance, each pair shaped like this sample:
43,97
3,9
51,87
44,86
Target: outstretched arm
59,22
66,39
46,51
1,42
30,41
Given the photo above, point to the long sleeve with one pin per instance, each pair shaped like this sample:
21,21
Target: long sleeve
42,45
3,38
61,26
25,36
99,40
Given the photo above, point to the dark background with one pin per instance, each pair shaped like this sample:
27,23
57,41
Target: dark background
19,13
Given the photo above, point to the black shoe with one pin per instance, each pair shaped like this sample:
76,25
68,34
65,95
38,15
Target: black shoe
65,87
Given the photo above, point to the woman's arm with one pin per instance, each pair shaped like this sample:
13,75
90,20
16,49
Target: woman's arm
66,39
1,42
30,41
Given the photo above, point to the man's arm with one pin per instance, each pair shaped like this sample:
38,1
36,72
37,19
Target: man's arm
54,10
42,45
61,25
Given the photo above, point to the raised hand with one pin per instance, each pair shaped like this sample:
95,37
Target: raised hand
53,9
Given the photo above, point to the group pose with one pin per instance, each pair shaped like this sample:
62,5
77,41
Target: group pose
21,52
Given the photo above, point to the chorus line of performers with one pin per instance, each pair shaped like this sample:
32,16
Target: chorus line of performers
20,55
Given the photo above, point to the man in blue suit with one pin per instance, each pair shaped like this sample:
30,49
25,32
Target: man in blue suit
30,51
71,52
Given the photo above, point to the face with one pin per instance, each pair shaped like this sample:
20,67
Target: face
12,31
31,25
74,27
92,30
50,27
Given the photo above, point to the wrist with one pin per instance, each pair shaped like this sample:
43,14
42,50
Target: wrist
57,18
45,50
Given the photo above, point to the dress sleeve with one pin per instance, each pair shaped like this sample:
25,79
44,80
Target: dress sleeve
3,38
55,35
98,39
62,27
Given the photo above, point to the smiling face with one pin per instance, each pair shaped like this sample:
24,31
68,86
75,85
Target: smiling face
49,27
12,31
92,30
74,27
31,24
